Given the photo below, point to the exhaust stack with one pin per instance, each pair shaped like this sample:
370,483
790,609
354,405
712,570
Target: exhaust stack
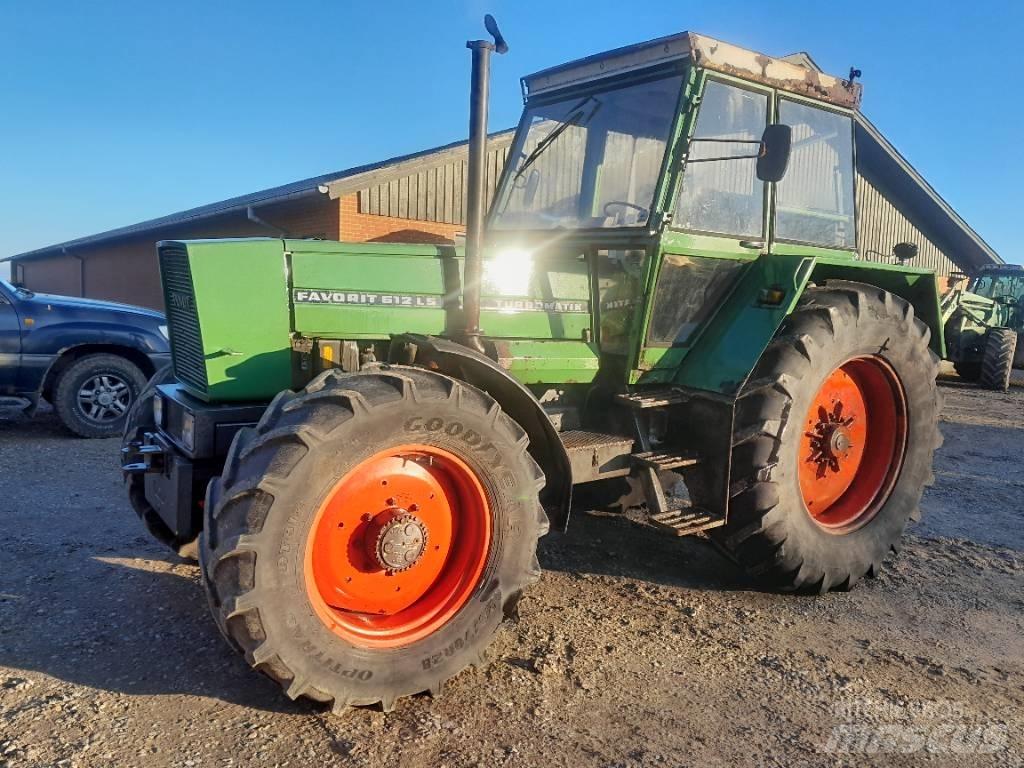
478,102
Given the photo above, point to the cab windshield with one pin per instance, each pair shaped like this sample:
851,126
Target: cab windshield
589,160
999,286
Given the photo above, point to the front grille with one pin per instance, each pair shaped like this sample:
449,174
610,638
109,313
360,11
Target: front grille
182,318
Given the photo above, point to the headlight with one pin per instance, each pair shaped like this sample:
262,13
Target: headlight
163,331
188,431
158,410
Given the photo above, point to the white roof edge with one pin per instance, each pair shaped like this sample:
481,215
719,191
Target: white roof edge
783,73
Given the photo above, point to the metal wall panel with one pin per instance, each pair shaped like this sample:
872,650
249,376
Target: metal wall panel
880,225
434,194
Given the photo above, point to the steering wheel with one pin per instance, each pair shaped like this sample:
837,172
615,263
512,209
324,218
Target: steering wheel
626,204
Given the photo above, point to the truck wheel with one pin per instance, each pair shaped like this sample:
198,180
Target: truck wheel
997,361
140,421
369,534
93,394
833,443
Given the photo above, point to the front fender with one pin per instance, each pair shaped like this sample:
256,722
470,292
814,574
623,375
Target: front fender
727,350
517,401
60,337
918,286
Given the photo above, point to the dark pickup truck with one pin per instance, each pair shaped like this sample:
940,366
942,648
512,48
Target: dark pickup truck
89,359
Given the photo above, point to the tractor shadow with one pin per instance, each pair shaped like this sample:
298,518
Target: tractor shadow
132,620
609,544
132,623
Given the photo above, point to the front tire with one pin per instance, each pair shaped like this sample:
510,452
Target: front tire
140,420
369,535
833,443
95,393
997,360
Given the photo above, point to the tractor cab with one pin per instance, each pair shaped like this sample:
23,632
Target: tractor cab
1003,284
669,169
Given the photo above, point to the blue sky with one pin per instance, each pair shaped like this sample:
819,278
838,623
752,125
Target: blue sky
119,111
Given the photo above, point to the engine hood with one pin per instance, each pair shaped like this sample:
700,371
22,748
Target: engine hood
40,301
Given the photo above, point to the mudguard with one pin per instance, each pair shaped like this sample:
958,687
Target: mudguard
464,364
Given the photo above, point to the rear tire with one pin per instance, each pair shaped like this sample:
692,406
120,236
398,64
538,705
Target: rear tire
997,361
262,548
140,421
843,333
95,393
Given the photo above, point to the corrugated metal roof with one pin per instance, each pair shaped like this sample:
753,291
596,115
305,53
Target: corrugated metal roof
295,190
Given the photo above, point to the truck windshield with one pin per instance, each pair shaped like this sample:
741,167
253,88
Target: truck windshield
589,160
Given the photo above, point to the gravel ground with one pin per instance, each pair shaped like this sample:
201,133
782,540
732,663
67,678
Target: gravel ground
635,649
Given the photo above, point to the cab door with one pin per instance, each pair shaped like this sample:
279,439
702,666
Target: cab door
813,204
10,342
718,226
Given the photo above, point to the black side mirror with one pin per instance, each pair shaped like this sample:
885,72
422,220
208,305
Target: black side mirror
773,155
904,251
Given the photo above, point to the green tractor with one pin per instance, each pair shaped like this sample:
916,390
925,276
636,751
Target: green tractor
364,442
983,323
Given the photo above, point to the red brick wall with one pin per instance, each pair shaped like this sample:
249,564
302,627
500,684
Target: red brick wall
307,217
367,227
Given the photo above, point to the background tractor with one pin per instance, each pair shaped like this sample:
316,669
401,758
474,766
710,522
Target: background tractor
983,323
368,439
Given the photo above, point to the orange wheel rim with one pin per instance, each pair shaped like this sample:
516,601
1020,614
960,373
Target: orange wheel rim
853,444
398,546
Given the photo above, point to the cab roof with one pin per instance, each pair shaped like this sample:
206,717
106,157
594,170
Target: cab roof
783,73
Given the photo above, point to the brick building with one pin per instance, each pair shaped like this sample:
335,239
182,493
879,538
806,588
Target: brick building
413,198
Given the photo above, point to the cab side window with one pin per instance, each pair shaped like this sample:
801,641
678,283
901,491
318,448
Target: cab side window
724,197
814,200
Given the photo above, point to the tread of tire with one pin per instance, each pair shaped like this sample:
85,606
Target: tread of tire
237,499
762,408
997,361
60,391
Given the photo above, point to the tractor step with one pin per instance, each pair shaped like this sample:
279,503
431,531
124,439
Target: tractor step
597,455
666,460
653,398
686,520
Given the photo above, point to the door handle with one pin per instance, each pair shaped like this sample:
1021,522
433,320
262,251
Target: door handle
759,244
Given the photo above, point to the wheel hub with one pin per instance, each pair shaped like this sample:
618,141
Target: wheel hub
401,541
398,546
105,397
830,439
853,443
